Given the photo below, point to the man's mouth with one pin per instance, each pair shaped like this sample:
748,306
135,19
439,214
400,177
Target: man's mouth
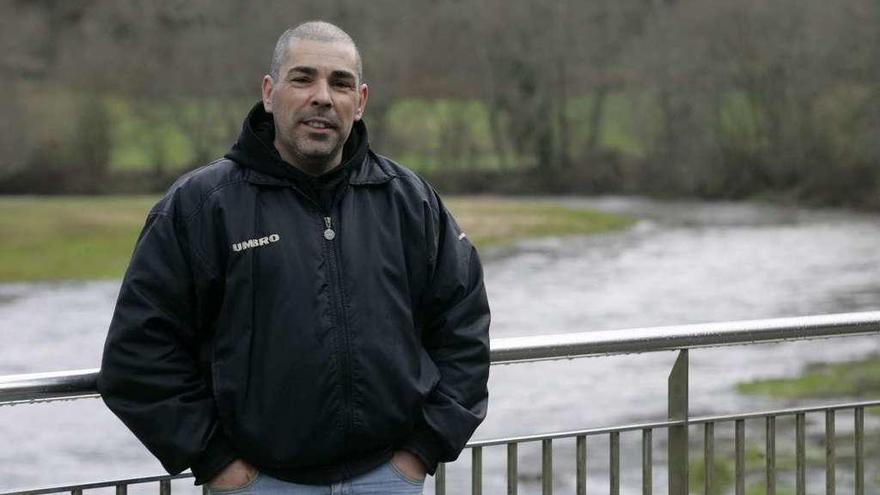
318,123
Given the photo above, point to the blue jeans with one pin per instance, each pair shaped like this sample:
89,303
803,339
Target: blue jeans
384,480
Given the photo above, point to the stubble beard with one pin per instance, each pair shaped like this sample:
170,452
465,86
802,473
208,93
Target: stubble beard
314,156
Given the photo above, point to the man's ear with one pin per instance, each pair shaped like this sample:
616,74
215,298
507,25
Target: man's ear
364,93
266,90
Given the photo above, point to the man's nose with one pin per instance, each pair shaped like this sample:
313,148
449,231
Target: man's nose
321,95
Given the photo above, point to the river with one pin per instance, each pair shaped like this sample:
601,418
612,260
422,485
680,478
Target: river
684,262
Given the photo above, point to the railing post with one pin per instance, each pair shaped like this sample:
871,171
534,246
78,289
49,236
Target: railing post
678,435
771,455
830,454
512,470
647,462
581,455
614,463
547,467
740,449
708,457
477,471
800,426
859,433
440,479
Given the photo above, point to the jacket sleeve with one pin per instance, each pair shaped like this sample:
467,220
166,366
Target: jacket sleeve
456,337
150,373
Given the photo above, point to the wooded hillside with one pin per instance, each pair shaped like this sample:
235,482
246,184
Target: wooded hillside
708,98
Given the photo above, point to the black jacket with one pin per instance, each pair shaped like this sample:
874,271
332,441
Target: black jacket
245,328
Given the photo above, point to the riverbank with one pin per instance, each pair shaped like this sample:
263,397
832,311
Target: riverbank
858,379
91,237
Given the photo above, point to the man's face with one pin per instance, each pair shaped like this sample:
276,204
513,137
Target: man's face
315,102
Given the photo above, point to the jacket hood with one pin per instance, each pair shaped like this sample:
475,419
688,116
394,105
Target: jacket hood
255,150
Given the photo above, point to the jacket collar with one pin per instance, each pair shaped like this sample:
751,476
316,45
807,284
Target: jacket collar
372,171
255,153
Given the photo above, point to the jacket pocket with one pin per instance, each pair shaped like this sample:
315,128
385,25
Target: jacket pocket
403,476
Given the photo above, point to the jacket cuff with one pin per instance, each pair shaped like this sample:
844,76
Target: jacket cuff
423,444
217,455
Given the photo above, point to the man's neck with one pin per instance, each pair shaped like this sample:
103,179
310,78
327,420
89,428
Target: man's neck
311,167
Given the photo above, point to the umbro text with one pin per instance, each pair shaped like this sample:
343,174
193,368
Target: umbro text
252,243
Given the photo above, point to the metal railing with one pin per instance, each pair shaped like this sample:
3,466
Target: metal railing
18,389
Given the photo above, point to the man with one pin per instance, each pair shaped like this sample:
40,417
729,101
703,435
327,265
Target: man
303,316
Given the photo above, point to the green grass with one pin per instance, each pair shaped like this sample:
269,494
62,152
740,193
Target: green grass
619,131
141,138
425,133
761,489
722,476
755,466
164,132
68,238
823,380
80,238
492,221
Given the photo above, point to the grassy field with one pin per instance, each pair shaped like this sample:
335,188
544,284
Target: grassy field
824,380
492,221
62,238
68,238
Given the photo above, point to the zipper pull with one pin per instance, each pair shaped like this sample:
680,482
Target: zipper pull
329,233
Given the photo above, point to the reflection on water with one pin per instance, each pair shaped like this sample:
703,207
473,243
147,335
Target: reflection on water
683,263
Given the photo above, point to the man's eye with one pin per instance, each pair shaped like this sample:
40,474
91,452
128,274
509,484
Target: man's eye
300,80
343,84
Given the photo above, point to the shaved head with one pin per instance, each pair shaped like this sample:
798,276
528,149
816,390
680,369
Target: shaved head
311,31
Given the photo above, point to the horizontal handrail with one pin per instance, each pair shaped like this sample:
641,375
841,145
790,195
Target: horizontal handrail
669,338
31,387
83,383
102,484
696,420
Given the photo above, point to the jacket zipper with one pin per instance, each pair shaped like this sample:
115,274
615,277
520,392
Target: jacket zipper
330,236
333,261
329,233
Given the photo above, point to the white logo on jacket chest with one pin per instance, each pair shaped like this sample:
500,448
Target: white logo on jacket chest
252,243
